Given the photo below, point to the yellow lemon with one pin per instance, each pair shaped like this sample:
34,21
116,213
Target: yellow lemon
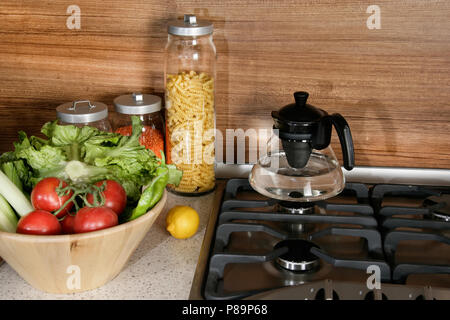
182,222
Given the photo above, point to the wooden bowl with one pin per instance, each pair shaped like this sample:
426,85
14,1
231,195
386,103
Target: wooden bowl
76,262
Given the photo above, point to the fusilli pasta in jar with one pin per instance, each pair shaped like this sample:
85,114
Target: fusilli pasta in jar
189,77
190,125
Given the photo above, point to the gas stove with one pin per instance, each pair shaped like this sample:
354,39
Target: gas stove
381,241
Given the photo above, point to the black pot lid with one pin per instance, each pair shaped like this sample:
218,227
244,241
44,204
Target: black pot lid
298,116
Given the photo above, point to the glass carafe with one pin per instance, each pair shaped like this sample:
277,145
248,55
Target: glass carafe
300,165
320,179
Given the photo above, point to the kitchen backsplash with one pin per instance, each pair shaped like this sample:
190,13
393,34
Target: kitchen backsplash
382,64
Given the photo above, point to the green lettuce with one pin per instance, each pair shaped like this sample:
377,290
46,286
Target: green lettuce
87,155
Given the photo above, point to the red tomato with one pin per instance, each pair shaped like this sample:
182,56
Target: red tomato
44,196
39,222
67,224
115,196
96,218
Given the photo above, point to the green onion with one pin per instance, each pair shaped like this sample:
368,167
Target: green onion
8,219
14,196
11,172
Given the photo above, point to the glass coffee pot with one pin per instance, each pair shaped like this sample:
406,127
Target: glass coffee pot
300,165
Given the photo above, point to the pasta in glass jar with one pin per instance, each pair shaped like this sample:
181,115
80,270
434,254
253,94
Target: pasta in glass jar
189,108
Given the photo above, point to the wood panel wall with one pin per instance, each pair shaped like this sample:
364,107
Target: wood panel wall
391,84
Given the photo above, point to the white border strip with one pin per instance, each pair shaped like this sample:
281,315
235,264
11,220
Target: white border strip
391,175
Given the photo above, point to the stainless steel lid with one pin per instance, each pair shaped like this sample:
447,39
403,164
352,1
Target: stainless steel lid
82,111
190,26
137,103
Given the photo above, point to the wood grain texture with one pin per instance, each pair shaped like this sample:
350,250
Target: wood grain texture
392,84
44,261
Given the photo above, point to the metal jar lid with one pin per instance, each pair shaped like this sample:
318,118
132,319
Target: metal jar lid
190,26
82,111
137,103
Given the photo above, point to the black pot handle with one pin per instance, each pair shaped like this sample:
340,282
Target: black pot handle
345,137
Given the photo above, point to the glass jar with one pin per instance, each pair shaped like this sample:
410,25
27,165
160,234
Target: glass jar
148,108
83,113
189,79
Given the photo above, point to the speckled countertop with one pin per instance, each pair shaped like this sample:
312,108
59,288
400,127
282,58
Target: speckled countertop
162,267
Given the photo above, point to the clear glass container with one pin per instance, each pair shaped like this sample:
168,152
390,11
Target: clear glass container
148,108
189,78
320,179
84,113
300,165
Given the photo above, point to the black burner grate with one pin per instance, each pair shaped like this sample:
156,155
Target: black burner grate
406,223
369,219
298,250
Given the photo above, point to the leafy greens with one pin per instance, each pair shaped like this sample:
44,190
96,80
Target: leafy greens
86,155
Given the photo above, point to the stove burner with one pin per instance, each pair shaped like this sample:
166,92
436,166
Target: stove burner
295,194
443,213
296,207
299,257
